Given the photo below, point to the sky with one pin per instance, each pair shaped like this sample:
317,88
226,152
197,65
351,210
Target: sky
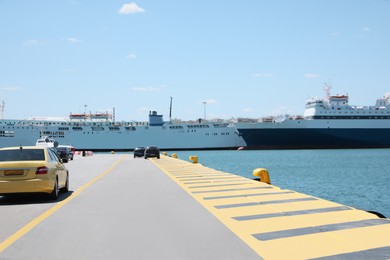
222,59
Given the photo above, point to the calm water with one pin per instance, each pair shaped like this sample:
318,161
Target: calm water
358,178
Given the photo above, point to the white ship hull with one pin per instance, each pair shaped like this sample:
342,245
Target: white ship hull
87,136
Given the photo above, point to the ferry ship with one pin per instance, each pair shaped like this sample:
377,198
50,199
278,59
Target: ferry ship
98,132
327,123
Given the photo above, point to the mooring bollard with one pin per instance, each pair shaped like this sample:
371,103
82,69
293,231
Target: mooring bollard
194,159
174,155
165,153
262,174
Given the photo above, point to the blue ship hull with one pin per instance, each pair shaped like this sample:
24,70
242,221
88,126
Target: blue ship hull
315,138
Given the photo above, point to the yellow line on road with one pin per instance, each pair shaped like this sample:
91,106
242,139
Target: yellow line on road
278,223
21,232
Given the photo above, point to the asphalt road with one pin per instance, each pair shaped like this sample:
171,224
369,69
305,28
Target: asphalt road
118,207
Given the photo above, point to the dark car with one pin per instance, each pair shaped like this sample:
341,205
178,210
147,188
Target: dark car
139,151
65,153
152,151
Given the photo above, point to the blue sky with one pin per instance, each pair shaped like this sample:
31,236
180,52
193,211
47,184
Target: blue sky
244,58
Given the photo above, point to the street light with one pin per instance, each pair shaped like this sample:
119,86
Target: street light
2,109
204,103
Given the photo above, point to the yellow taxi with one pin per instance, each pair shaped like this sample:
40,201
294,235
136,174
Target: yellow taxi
32,169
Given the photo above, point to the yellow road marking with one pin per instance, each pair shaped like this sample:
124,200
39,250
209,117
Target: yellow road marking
24,230
300,236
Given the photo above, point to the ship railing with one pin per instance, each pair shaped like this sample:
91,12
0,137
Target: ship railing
221,125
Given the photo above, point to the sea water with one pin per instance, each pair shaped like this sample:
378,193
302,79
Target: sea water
359,178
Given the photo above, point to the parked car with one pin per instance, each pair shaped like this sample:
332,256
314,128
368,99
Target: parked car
139,151
64,152
72,148
152,151
32,169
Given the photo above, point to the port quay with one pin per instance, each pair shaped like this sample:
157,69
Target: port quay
121,207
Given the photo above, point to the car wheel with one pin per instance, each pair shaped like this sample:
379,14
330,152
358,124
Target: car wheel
66,187
146,157
54,194
158,157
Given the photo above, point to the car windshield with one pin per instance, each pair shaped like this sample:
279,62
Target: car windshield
22,155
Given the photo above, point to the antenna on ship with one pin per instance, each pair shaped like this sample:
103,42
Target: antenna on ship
2,109
327,89
170,111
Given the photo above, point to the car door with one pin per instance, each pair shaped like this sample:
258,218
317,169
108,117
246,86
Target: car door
60,168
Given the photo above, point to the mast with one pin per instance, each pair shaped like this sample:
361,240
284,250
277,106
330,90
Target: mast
170,111
327,89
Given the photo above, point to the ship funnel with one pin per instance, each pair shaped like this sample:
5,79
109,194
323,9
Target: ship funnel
155,119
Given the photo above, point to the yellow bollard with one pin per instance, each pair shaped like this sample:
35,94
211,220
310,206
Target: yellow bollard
262,174
194,159
174,155
112,152
165,153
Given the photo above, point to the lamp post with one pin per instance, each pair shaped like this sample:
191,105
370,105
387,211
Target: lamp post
204,103
2,109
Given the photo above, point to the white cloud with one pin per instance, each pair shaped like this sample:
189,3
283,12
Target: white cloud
312,76
11,88
210,101
73,40
131,8
146,89
131,56
263,75
31,42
